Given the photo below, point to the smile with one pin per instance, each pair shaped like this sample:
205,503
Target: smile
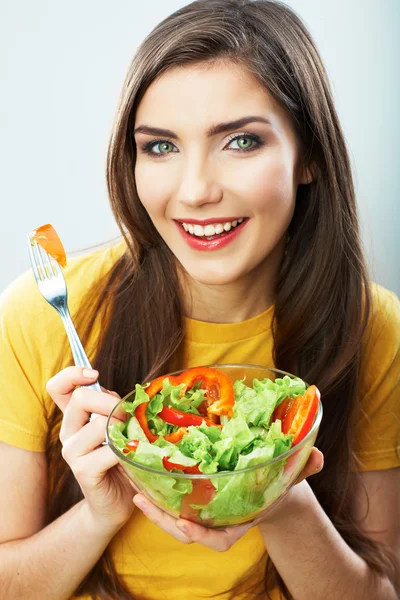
211,236
211,229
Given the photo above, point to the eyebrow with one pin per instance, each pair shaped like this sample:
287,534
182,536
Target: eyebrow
214,130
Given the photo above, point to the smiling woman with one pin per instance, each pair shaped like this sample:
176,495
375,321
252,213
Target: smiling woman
237,161
230,181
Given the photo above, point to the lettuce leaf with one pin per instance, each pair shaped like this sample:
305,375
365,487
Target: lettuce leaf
116,432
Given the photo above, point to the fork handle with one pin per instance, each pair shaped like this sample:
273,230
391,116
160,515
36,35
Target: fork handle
79,354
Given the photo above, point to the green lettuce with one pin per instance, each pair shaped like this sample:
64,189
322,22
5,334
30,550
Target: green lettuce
258,403
164,488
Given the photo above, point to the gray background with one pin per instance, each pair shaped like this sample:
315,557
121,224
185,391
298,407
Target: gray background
62,65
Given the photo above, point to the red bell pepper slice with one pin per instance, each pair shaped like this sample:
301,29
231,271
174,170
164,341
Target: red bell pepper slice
140,414
186,469
180,417
297,414
219,388
157,384
302,413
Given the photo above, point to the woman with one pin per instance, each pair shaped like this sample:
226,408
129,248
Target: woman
226,117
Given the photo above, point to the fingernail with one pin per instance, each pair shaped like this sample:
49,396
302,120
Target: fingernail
183,528
89,373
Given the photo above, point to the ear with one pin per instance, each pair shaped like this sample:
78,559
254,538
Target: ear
307,174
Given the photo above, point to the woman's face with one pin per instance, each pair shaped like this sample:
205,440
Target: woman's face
216,170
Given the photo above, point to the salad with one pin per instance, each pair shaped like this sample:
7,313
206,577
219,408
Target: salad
200,423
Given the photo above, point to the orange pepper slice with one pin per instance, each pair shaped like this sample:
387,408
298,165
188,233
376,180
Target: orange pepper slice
47,237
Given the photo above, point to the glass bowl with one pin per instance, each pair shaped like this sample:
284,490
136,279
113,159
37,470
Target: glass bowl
225,498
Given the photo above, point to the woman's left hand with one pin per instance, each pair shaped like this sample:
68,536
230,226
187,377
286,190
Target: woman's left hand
217,539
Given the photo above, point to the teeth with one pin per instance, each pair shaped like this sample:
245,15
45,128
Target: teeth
210,230
198,230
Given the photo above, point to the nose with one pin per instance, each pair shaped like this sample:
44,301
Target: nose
199,184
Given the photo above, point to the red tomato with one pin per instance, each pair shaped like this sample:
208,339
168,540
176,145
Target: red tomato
282,410
131,446
202,493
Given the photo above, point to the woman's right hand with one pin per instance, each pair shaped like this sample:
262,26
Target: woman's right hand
107,490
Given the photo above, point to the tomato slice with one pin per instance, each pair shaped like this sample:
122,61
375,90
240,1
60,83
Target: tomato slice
202,493
300,417
131,446
282,410
47,237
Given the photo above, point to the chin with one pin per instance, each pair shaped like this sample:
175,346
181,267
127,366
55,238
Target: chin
215,276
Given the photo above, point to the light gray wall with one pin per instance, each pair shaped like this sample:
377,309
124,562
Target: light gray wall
62,65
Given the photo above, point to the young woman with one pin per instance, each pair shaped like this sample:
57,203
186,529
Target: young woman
226,118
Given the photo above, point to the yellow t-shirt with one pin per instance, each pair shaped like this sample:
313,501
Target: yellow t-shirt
153,564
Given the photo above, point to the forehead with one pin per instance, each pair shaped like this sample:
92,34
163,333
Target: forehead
196,96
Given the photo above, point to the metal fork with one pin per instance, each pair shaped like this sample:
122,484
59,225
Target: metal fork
51,283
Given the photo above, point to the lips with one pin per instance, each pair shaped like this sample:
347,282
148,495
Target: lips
217,242
205,222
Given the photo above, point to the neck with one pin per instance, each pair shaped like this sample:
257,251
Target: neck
232,302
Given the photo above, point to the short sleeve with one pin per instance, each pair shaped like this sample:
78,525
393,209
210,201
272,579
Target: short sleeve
377,442
27,341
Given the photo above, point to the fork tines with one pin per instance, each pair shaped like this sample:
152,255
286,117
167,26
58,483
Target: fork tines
43,265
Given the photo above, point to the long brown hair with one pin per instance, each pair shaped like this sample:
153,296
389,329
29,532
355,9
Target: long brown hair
322,299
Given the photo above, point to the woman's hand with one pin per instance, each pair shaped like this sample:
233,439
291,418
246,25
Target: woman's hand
108,492
221,539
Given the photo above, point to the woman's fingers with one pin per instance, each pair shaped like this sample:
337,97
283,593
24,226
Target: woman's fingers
314,464
93,466
61,386
82,403
188,532
216,539
84,440
160,518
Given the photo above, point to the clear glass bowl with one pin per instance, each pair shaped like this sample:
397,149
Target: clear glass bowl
247,493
